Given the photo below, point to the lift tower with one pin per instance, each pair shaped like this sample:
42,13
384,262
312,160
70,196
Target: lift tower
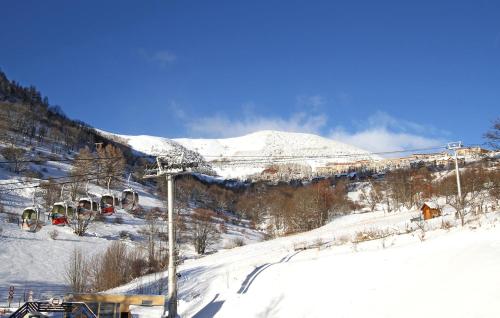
171,165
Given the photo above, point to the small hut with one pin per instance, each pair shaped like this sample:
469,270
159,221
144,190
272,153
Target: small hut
430,210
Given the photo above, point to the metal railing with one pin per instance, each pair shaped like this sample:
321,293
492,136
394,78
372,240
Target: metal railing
79,308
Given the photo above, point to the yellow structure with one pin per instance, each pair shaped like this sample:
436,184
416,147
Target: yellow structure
117,305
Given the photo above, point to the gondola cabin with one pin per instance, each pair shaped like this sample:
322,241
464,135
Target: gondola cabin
31,219
430,210
130,199
61,213
87,207
108,204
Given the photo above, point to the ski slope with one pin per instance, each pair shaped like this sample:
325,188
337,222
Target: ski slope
441,273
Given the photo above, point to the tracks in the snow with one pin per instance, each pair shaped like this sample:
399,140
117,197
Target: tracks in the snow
259,269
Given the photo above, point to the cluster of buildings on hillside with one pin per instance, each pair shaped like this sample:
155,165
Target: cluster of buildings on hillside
443,160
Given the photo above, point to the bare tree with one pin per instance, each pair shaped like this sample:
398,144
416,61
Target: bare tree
203,231
77,270
114,268
372,196
80,223
82,170
51,192
494,186
16,156
474,185
493,136
151,231
95,275
111,163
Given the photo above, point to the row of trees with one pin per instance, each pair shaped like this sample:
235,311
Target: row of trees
119,265
400,188
287,208
291,209
409,188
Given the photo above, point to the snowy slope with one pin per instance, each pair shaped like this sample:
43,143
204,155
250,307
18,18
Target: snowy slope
238,155
269,143
456,270
35,261
145,144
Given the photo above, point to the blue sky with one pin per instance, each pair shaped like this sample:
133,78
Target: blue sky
383,75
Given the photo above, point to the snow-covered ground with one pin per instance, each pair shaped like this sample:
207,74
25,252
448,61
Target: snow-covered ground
410,272
416,269
432,273
34,261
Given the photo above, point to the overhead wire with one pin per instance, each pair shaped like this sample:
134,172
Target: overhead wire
55,178
297,158
44,160
55,183
242,159
329,156
96,176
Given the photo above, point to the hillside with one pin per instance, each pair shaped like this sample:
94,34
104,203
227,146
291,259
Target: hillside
38,261
28,119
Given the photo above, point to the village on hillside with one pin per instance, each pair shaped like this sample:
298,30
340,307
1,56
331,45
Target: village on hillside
374,168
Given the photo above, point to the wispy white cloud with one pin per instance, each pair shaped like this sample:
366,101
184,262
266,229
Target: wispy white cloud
249,120
160,57
177,110
312,102
382,132
381,139
220,126
379,132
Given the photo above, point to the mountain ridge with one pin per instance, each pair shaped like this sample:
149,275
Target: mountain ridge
250,154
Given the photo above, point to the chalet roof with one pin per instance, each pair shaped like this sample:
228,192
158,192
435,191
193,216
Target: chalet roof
432,205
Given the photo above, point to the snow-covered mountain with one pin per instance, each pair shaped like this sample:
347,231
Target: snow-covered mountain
278,144
149,145
242,156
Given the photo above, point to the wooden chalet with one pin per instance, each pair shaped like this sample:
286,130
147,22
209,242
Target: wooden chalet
430,210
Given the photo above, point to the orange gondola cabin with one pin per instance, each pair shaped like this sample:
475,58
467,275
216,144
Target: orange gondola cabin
430,210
